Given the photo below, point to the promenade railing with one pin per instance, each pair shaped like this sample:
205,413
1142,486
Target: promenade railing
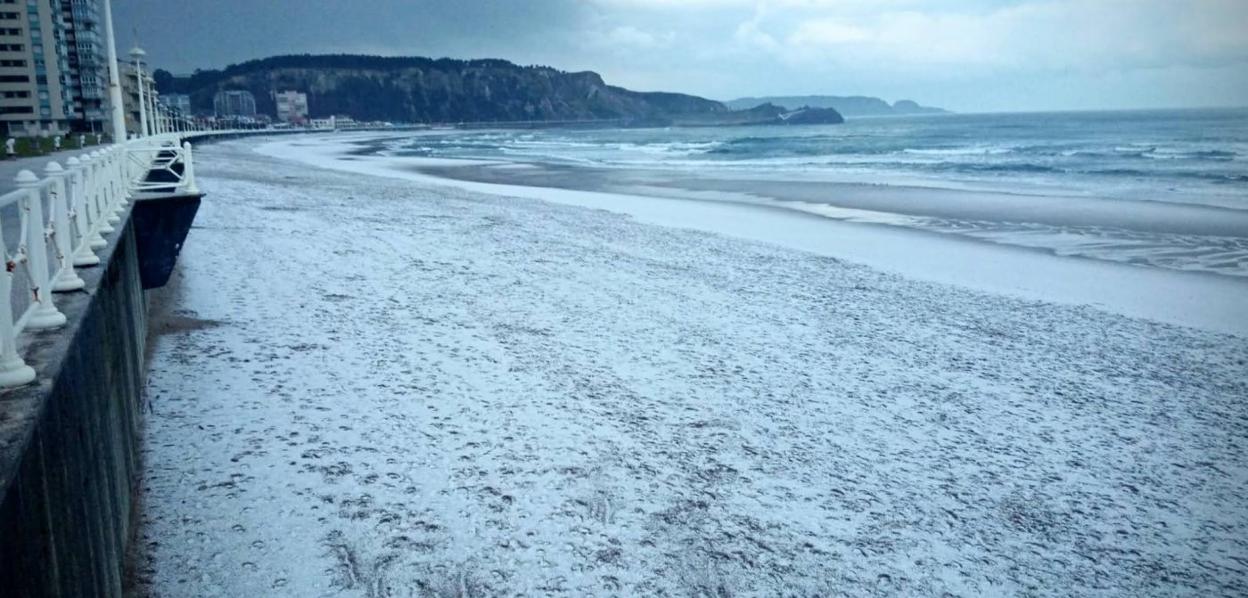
52,225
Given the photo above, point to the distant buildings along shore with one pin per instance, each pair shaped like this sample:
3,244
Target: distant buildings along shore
54,72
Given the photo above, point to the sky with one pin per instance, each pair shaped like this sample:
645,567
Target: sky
967,55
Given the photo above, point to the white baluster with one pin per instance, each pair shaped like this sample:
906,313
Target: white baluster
45,314
58,202
119,174
13,371
114,185
93,200
81,220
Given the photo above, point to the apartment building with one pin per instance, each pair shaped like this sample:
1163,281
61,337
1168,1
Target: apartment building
88,62
130,95
292,107
178,102
35,91
234,104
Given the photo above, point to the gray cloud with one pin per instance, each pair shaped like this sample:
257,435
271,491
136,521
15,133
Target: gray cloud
967,55
189,34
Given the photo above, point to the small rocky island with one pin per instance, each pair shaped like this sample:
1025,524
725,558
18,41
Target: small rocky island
848,106
763,114
812,116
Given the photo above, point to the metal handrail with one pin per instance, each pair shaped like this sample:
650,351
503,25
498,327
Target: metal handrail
62,219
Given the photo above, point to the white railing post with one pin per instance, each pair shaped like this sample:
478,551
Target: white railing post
13,371
108,191
94,200
44,313
188,168
80,219
127,167
66,279
119,154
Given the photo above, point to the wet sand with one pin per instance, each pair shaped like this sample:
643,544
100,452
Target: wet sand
1187,237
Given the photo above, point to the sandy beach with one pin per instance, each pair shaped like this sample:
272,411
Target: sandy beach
386,386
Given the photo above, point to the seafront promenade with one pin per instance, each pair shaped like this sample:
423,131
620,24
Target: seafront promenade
84,235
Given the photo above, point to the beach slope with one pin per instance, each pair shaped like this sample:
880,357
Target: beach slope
369,386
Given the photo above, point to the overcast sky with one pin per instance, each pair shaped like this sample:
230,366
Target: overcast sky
967,55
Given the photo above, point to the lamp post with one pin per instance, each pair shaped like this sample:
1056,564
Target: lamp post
114,78
161,113
153,110
152,118
137,54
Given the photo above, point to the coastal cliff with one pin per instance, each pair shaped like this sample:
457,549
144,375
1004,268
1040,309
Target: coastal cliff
427,90
424,90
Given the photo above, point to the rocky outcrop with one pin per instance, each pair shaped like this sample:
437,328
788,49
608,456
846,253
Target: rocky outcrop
812,116
913,107
764,114
850,106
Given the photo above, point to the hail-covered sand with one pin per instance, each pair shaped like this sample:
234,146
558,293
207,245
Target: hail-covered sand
369,387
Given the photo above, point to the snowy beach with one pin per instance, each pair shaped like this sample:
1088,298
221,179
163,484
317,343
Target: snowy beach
387,386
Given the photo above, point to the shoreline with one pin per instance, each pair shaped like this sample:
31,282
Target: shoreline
1046,223
1203,300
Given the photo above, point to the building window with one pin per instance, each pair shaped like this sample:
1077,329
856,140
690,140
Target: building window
14,79
17,110
12,63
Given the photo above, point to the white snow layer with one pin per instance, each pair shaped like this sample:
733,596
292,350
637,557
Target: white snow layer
374,387
1196,299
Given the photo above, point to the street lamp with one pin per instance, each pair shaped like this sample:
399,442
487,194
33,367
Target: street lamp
137,54
153,116
114,78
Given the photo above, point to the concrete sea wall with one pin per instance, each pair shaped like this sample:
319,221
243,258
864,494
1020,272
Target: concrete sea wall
69,442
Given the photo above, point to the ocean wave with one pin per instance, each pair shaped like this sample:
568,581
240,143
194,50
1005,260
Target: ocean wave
1124,155
1213,177
1017,167
1174,154
1096,154
959,151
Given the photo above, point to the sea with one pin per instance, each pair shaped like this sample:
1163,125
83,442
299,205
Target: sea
1165,189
